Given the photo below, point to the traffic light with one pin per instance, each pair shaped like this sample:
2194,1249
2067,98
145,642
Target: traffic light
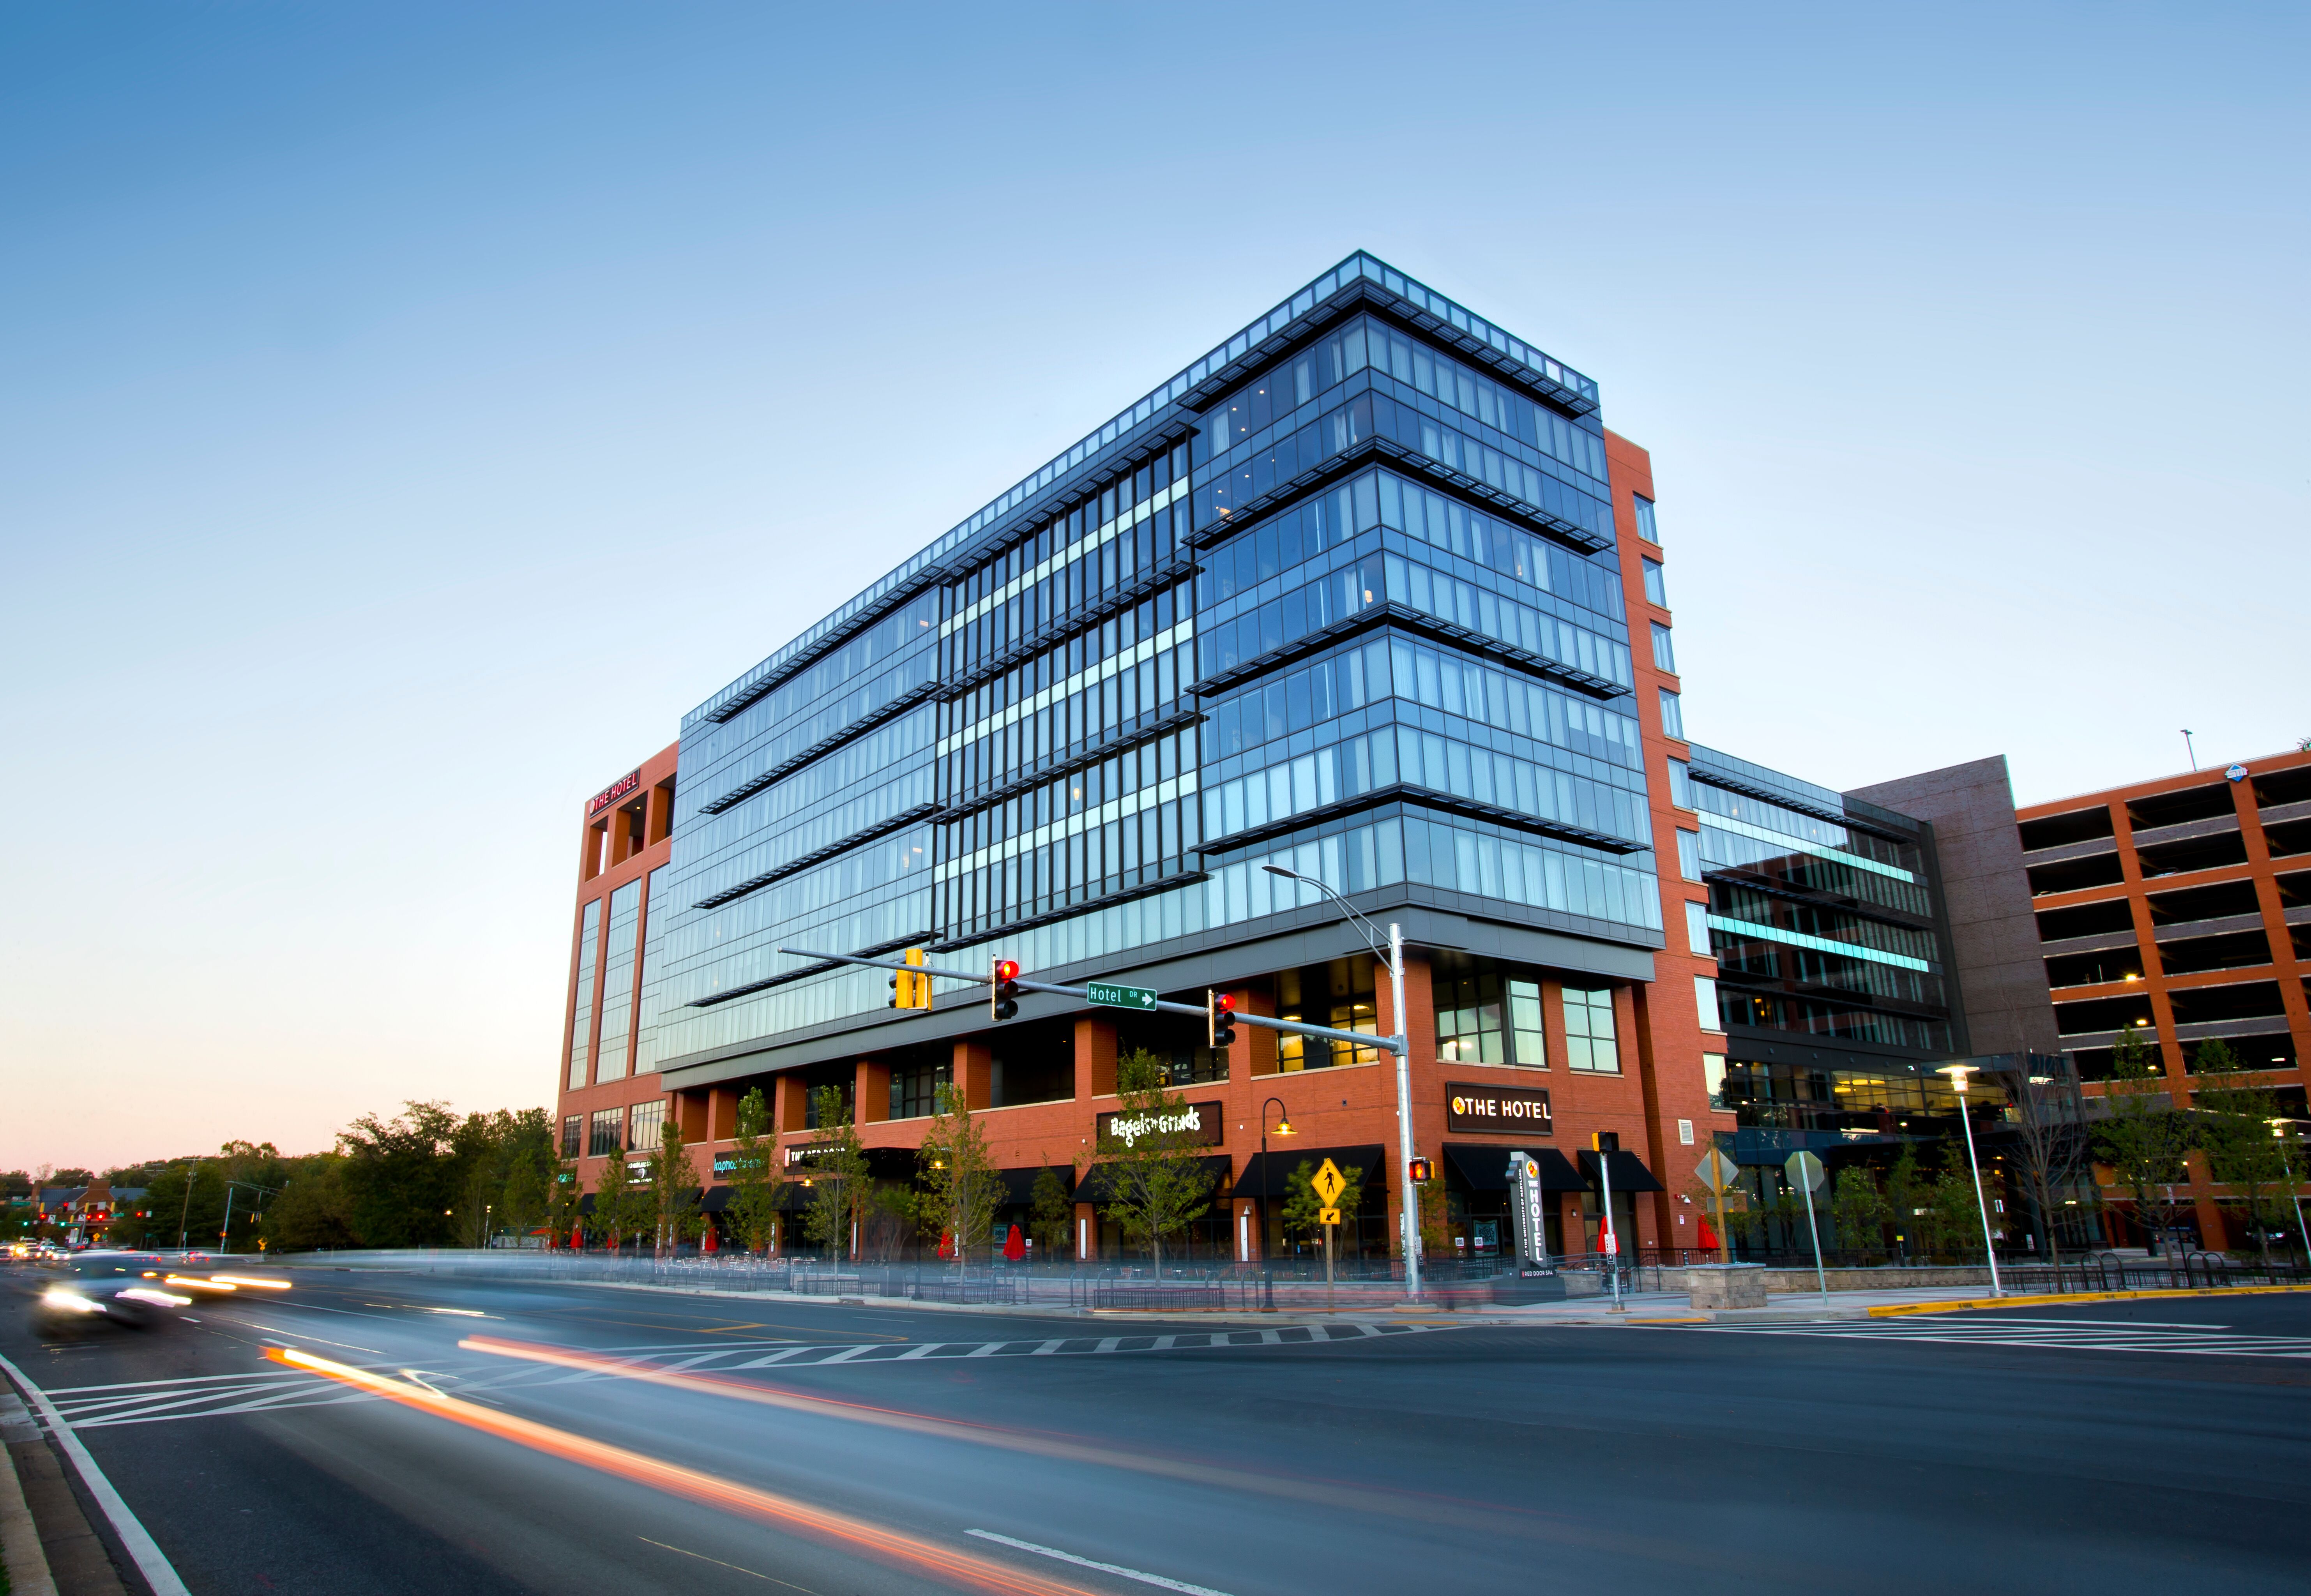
1003,992
908,989
1219,1019
1420,1172
1605,1141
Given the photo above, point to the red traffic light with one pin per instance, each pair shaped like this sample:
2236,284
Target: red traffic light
1219,1019
1007,969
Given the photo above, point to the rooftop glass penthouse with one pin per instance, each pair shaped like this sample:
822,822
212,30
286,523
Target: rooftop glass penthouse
1345,593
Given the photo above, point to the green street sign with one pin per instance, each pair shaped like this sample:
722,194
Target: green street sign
1107,995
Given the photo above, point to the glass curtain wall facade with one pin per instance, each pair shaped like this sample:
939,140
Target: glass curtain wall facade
1824,914
1343,595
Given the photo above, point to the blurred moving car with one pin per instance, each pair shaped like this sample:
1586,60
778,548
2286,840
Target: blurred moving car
140,1288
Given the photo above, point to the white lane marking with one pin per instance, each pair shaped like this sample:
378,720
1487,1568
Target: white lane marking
2217,1344
2092,1323
134,1537
74,1391
1115,1568
275,1330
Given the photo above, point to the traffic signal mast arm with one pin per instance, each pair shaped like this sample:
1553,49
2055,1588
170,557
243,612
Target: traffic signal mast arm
1392,1044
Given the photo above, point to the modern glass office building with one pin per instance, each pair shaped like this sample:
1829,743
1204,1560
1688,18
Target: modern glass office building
1352,593
1834,983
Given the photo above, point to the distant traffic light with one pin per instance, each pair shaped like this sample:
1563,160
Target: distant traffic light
908,989
1003,992
1420,1172
1219,1019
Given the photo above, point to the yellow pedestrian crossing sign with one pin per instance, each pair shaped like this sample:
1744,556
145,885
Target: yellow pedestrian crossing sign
1328,1216
1330,1183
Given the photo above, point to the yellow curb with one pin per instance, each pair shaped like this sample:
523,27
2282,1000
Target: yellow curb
1891,1309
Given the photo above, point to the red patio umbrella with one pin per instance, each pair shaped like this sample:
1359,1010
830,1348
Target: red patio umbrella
1015,1246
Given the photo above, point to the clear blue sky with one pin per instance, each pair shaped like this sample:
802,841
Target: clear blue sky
406,412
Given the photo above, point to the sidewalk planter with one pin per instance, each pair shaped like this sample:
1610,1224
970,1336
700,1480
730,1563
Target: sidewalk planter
1529,1285
1716,1286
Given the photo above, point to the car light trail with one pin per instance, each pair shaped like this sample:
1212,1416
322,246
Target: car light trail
250,1280
1491,1518
835,1528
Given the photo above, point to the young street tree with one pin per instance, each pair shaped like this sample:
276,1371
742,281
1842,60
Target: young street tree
837,1176
1052,1213
755,1178
961,1186
2046,1115
673,1188
2143,1137
1304,1206
2237,1112
1151,1171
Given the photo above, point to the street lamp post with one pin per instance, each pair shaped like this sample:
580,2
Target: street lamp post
1407,1217
1267,1185
1957,1073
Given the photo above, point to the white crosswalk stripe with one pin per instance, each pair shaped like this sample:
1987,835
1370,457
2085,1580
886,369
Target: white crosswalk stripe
2081,1334
162,1401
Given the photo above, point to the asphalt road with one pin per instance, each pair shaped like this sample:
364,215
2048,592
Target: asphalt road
706,1445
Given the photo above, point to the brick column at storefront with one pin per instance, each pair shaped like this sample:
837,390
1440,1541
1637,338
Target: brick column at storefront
790,1102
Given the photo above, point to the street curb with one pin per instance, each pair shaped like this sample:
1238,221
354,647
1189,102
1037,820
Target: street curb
151,1561
20,1537
1892,1309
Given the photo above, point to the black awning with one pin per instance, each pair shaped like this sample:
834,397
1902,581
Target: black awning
891,1163
1266,1174
1484,1167
1020,1185
1094,1187
1629,1173
716,1199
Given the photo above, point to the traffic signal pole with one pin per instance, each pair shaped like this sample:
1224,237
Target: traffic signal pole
1409,1215
1394,1044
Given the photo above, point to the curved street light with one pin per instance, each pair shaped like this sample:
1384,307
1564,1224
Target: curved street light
1267,1185
1957,1073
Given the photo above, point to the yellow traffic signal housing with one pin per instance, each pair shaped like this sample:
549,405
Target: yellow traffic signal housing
910,990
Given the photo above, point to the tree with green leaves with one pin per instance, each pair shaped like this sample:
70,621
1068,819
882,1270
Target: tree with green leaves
755,1178
624,1208
2142,1136
960,1188
673,1186
837,1176
1858,1209
1305,1206
522,1207
1052,1213
1151,1168
1954,1210
564,1199
2237,1112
